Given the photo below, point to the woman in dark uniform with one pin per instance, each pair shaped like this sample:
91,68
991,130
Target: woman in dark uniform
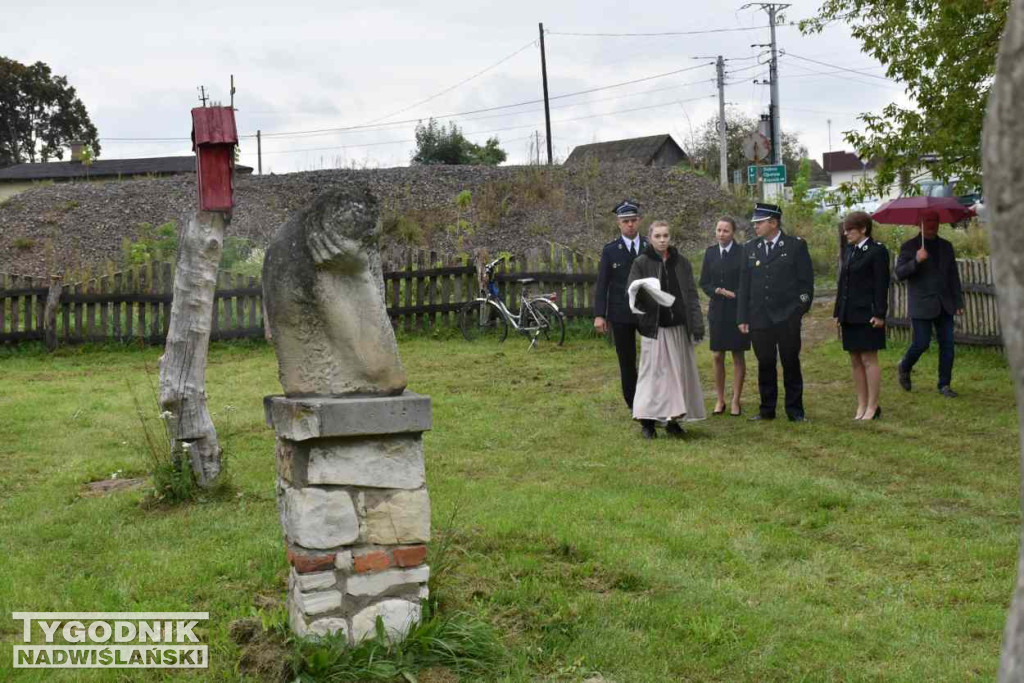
862,302
720,278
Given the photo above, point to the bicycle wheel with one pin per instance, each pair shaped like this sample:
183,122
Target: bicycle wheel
550,321
482,319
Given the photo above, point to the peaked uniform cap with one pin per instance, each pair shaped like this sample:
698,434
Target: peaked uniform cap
765,211
627,209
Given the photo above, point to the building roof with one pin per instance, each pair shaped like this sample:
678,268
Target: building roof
103,168
632,150
844,161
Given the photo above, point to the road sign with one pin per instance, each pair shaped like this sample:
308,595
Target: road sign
751,175
773,174
756,147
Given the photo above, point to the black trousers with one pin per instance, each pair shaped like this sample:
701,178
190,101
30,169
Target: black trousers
625,348
779,342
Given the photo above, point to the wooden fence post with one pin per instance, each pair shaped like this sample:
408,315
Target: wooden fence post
50,313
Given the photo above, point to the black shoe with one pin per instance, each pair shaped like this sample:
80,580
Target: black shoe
947,392
904,377
648,432
877,415
760,418
797,418
674,429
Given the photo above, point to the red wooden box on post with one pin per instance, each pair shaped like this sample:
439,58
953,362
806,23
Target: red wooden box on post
214,137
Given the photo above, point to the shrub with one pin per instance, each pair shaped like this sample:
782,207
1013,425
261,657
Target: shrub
24,243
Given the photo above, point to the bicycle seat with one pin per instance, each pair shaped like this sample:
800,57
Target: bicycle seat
526,280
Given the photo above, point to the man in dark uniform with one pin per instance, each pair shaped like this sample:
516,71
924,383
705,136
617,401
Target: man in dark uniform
928,264
776,290
611,306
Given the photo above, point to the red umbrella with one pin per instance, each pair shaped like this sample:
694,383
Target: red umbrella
908,210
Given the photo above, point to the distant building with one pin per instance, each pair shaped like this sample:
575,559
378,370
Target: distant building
844,167
20,177
654,150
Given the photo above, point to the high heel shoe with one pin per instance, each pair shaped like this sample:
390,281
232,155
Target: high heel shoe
878,413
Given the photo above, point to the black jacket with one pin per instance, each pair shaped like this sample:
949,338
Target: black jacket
774,288
725,273
863,290
650,264
610,301
933,286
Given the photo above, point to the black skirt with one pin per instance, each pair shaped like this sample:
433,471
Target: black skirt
863,337
726,336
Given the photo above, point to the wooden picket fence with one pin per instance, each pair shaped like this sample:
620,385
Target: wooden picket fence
978,326
133,305
422,290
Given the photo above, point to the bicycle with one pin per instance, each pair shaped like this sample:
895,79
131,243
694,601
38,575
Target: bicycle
487,317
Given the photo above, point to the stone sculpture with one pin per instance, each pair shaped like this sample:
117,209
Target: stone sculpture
351,485
323,288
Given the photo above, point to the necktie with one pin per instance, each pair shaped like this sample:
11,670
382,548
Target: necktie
768,248
632,248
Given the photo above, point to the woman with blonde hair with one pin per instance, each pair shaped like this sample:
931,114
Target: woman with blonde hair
663,293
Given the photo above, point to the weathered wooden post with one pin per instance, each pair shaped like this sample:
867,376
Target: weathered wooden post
183,365
351,485
1003,149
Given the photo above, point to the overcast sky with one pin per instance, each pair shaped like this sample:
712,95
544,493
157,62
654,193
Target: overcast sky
314,66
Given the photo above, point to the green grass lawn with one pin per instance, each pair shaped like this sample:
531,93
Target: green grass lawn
828,551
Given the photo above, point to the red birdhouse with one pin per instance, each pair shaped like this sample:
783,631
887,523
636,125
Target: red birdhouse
214,137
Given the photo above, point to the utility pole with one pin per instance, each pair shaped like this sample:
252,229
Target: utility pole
723,171
773,9
259,153
829,121
544,75
773,74
202,95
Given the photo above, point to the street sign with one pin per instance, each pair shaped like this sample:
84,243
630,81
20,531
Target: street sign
773,174
751,175
756,147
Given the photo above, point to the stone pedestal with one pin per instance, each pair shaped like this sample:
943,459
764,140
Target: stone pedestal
354,508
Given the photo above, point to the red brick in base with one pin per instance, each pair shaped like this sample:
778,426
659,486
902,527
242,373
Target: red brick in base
304,564
371,562
411,556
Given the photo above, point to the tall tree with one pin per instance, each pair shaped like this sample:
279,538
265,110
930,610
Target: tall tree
944,53
1004,176
436,144
39,114
702,148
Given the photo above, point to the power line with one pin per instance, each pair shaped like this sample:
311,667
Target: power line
453,87
499,130
321,131
659,34
841,68
835,74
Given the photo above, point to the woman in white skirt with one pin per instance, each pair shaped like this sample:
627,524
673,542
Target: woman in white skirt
668,387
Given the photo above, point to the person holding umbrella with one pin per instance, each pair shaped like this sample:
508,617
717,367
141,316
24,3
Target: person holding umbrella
928,264
862,302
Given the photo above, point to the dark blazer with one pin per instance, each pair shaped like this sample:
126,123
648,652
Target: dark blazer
650,264
863,289
933,286
725,273
610,301
774,288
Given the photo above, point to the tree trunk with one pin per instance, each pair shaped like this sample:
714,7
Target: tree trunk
183,365
1003,149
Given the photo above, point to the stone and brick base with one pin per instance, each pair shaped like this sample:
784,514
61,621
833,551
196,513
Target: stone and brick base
354,508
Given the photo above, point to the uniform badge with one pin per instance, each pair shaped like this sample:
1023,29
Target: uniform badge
804,298
758,263
864,248
620,245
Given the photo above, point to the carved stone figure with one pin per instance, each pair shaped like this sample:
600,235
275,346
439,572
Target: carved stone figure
323,288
